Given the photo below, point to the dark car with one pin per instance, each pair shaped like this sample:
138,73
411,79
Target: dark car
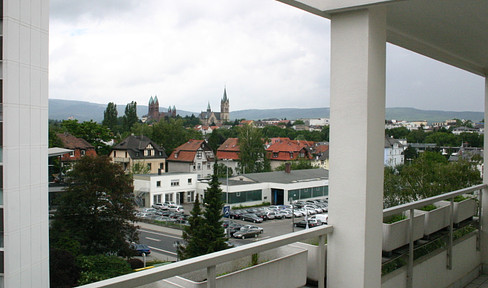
311,223
140,249
235,214
251,218
246,233
234,227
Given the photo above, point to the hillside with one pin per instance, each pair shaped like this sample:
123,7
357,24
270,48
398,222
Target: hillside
84,111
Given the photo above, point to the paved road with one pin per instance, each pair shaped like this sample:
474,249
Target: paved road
161,239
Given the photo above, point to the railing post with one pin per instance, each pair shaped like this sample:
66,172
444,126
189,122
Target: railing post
480,203
451,236
410,251
321,263
211,275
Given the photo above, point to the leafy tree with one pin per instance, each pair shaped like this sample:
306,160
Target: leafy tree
91,131
213,215
171,134
130,117
410,153
252,157
140,168
296,165
216,139
397,133
428,175
299,122
110,116
100,267
222,170
63,269
194,235
97,209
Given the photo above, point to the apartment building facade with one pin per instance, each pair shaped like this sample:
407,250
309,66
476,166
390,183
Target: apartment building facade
24,246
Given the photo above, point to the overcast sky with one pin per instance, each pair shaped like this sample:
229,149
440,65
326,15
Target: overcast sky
267,54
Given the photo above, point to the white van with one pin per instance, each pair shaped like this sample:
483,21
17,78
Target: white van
322,217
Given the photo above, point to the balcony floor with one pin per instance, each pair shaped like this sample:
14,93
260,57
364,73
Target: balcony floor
480,282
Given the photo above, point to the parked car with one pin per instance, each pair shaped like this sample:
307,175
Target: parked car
245,227
158,206
251,218
311,223
235,214
176,208
234,227
246,233
140,249
324,218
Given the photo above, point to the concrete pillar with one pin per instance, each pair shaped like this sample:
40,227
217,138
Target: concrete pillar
357,114
484,212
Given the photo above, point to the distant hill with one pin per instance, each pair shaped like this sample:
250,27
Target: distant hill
85,111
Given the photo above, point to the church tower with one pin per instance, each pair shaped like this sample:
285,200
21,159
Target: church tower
224,107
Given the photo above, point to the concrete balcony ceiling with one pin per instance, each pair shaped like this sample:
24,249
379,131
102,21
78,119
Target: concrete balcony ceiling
450,31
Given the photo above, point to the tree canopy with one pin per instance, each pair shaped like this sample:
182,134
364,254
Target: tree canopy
428,175
110,116
96,212
252,157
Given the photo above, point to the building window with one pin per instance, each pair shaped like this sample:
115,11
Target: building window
176,155
175,183
189,181
190,196
168,197
199,154
149,166
161,166
199,166
83,152
291,155
157,198
72,154
275,155
158,184
208,166
194,167
160,153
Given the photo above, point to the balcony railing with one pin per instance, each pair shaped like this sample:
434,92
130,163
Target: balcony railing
210,261
410,207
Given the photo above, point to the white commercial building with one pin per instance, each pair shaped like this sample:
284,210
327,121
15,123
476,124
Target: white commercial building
178,187
24,251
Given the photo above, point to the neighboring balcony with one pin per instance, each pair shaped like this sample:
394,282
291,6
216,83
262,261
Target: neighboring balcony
447,252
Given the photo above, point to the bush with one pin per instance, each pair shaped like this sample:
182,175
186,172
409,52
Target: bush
428,207
395,218
135,263
99,267
63,271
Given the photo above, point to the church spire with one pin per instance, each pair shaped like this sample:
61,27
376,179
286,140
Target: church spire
225,99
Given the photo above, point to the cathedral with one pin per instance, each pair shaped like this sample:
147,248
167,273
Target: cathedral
209,118
153,114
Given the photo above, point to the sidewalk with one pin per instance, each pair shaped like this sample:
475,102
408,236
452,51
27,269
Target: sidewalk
161,229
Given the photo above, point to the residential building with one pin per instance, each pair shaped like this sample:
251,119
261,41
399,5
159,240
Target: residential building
394,152
140,153
282,150
79,146
24,223
193,156
228,154
462,129
211,118
320,153
178,187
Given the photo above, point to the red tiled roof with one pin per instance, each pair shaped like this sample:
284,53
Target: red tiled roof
321,148
227,155
282,150
283,147
186,152
71,142
182,156
191,145
231,144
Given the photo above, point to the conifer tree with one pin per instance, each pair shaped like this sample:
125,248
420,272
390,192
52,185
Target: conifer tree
194,235
213,214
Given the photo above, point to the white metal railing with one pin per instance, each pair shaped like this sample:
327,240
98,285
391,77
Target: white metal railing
209,261
421,203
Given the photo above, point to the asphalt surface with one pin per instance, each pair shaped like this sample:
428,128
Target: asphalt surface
162,240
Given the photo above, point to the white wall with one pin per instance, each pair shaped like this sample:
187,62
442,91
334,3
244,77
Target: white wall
25,114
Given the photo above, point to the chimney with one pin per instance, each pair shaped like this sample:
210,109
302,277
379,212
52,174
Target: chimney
159,171
288,167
